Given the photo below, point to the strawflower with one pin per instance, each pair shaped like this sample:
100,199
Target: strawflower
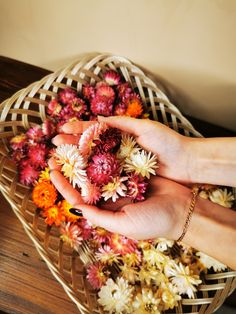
65,209
146,302
18,141
106,255
137,187
28,174
114,189
134,106
53,215
112,78
209,262
122,245
128,147
90,193
37,155
222,197
44,194
70,234
96,275
44,175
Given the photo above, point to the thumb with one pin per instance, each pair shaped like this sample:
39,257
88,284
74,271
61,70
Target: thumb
127,124
109,220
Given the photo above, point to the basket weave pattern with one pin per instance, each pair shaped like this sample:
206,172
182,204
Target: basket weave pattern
27,108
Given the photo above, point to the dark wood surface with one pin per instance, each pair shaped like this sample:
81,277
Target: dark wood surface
26,284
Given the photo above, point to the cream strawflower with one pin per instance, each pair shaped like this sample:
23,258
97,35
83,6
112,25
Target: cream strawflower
146,303
73,164
114,188
129,273
150,274
163,244
106,255
209,262
128,146
168,295
154,257
142,163
115,297
222,197
181,277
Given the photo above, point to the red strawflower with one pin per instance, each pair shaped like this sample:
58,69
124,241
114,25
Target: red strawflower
35,134
88,92
101,105
28,174
109,141
67,95
37,155
124,90
96,275
79,107
120,109
54,108
122,245
105,90
112,77
18,155
102,168
49,128
137,187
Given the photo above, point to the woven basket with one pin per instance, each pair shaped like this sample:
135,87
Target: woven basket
27,108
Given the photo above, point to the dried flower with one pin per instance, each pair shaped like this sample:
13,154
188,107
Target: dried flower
44,194
18,141
37,155
163,244
209,262
122,245
120,109
67,95
49,128
222,197
70,234
73,164
28,174
90,193
134,106
101,235
128,147
97,275
124,91
88,92
65,209
44,175
54,108
142,163
53,215
137,187
102,168
114,189
146,302
35,134
168,295
112,78
109,141
102,105
115,297
106,255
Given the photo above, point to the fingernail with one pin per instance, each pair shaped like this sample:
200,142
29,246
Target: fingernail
76,211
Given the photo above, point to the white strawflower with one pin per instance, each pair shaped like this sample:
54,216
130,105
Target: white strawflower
163,244
128,146
169,295
209,262
142,163
181,277
114,188
73,164
115,297
222,197
146,303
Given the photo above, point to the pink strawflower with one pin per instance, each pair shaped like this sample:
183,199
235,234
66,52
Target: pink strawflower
49,128
120,109
37,155
71,234
102,168
67,95
122,245
79,106
105,91
137,187
88,92
112,77
109,141
18,141
96,275
86,228
101,105
28,175
54,108
35,134
91,134
90,193
124,90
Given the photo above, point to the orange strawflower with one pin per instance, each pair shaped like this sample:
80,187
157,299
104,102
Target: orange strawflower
44,194
65,209
53,215
134,106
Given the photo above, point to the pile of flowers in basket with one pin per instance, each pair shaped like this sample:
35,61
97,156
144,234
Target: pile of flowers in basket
130,276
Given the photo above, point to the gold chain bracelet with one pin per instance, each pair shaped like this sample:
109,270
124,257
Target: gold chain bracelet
190,212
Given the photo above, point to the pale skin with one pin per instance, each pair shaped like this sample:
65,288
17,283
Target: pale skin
183,161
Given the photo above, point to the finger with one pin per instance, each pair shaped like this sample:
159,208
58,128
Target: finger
76,127
109,220
65,188
65,139
53,164
127,124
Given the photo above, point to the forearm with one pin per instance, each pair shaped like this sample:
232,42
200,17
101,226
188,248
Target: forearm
212,230
212,160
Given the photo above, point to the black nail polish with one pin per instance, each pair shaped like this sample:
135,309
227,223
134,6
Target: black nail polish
76,211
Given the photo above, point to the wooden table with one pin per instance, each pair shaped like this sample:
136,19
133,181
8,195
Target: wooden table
26,284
